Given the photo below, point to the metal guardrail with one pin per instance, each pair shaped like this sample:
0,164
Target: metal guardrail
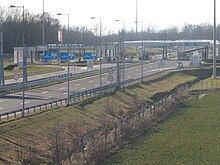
78,96
52,79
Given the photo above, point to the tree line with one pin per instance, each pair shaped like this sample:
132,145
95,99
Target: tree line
11,22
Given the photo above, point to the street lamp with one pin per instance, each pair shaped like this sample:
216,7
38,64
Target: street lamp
24,60
100,38
142,44
122,47
43,30
214,38
2,81
68,74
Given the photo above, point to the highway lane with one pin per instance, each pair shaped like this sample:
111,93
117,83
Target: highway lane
72,70
42,95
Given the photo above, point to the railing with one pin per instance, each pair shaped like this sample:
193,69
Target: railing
77,97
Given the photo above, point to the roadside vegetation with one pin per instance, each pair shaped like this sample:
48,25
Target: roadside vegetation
191,136
45,136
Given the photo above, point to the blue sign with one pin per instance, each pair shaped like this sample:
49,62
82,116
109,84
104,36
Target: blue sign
47,56
54,56
72,56
64,56
67,56
90,56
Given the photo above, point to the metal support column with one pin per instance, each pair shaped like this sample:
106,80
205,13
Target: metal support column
2,81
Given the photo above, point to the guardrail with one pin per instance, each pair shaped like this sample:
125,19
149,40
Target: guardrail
52,79
77,97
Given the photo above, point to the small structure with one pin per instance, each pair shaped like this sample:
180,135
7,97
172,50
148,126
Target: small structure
30,54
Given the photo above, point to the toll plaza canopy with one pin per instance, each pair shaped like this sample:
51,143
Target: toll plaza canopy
166,43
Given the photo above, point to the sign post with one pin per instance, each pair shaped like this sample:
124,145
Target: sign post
16,74
110,75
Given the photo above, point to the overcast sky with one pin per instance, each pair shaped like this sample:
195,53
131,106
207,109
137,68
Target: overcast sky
157,13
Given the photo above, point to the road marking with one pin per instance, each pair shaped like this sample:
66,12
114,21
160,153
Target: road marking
26,102
96,85
83,89
46,98
62,88
65,82
44,92
91,81
77,85
65,93
1,101
0,108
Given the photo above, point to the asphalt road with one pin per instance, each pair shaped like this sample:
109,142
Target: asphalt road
47,94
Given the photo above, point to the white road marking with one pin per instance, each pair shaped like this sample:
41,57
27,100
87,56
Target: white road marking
46,98
1,101
65,82
0,108
77,85
96,85
83,89
91,81
26,102
65,93
62,88
44,92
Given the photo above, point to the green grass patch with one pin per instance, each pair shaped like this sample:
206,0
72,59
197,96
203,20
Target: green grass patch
29,69
191,136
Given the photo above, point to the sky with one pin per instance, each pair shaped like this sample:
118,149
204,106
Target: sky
156,13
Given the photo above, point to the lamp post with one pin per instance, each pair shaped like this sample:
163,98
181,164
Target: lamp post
214,47
24,60
122,47
142,44
68,70
2,81
100,40
43,30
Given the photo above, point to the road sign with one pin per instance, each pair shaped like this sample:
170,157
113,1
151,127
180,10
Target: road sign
110,78
90,56
16,70
16,76
54,56
110,71
47,56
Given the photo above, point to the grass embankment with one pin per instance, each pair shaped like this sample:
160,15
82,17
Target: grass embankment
191,136
36,131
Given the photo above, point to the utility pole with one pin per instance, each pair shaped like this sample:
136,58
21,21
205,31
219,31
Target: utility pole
214,38
2,81
43,29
